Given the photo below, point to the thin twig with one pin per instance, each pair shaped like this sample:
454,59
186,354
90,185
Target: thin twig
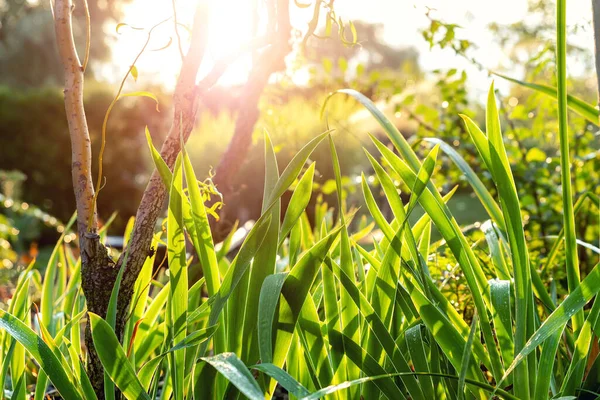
221,65
110,107
88,35
175,25
420,121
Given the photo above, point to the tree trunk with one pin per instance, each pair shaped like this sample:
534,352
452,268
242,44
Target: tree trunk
264,65
97,268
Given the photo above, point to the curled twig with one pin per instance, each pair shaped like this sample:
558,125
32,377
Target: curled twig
105,122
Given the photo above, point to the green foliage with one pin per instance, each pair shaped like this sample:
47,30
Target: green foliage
29,55
45,141
367,305
331,317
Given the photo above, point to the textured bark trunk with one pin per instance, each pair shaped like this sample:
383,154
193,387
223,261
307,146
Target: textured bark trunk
185,99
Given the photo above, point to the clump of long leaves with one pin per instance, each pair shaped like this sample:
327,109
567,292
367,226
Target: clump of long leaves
312,309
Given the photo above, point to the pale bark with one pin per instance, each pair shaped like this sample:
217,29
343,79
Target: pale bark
81,153
97,272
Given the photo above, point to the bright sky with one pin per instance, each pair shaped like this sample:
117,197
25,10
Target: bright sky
402,22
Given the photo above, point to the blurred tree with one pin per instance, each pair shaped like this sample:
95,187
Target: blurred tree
37,148
529,42
28,54
372,51
335,58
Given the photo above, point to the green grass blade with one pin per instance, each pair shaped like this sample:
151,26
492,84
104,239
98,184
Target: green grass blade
111,318
571,258
480,140
288,176
381,337
159,163
556,322
178,294
418,354
496,251
45,335
574,376
349,321
153,342
114,360
374,209
147,328
481,191
331,312
267,305
41,353
369,365
237,373
141,290
225,246
545,368
295,243
205,246
579,204
516,235
434,206
263,264
81,376
500,293
192,340
423,178
238,268
466,357
283,378
312,337
4,370
334,388
396,137
298,202
47,301
19,308
450,340
294,292
586,110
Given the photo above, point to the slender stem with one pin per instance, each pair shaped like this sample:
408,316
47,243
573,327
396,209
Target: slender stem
572,263
110,107
88,35
176,26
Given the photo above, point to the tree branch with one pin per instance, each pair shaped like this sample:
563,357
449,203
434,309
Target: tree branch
185,99
271,60
81,153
